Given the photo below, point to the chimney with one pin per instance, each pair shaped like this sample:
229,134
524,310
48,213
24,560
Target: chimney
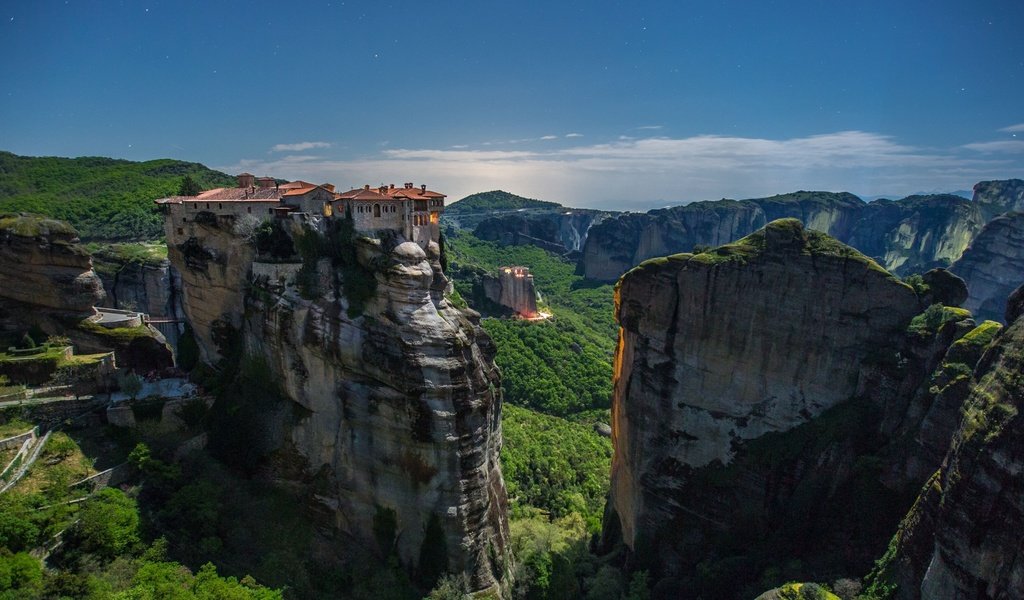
391,186
423,188
328,186
366,187
408,186
245,180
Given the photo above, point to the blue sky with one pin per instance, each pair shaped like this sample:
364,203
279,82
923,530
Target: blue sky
625,105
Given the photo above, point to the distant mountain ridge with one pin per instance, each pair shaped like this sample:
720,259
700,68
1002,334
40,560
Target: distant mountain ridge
103,198
495,200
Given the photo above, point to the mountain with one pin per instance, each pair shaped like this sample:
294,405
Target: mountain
906,236
779,403
496,200
103,198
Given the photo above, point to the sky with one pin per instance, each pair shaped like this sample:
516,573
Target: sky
619,105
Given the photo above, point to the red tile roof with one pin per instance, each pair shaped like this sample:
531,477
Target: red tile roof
391,192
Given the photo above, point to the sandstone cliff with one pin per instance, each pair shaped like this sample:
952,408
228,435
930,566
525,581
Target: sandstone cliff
561,230
42,264
905,236
997,197
768,403
962,538
397,413
993,265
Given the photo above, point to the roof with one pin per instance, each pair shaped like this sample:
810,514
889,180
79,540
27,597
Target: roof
391,192
236,193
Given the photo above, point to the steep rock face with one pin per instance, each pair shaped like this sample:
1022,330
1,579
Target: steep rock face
916,233
993,265
962,540
562,231
997,197
513,288
772,399
152,289
905,236
616,245
42,264
397,410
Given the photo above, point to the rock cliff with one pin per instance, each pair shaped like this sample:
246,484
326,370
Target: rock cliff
993,265
997,197
905,236
397,413
42,264
773,398
961,540
561,230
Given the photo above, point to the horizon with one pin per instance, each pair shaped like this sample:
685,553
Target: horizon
588,105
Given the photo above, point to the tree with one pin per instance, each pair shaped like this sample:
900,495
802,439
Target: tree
130,384
189,187
109,523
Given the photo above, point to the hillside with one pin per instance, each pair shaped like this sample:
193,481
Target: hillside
103,198
495,200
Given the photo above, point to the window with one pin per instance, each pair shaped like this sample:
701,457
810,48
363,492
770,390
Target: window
220,206
376,211
248,209
207,206
181,231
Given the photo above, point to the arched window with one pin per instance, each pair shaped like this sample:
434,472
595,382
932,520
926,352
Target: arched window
376,210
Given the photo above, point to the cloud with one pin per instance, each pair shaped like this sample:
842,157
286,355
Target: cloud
573,135
1013,128
299,146
650,172
549,137
649,127
1005,146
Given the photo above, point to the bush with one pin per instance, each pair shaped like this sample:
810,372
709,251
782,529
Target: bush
108,525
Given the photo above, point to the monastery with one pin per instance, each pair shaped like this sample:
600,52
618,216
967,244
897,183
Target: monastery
414,212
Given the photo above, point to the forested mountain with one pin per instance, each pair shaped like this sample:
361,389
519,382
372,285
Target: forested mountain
103,198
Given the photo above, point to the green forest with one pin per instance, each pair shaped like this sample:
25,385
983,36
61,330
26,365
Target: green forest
103,198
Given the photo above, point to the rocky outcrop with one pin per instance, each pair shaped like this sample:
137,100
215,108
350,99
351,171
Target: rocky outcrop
916,233
397,414
993,265
773,398
962,540
906,236
513,289
42,264
561,230
997,197
149,288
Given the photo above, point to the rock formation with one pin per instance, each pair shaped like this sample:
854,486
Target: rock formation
397,412
993,265
906,236
149,288
962,537
773,398
513,289
997,197
42,264
561,230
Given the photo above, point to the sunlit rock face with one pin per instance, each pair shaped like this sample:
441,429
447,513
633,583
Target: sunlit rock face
993,265
43,264
753,383
397,408
513,288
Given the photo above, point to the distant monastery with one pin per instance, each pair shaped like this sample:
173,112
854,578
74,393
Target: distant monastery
415,212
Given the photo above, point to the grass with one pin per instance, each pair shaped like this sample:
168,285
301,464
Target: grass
32,225
14,427
52,469
117,335
109,258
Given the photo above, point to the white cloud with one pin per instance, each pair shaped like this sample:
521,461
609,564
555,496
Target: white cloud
649,127
1005,146
1013,128
635,174
573,135
549,137
299,146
